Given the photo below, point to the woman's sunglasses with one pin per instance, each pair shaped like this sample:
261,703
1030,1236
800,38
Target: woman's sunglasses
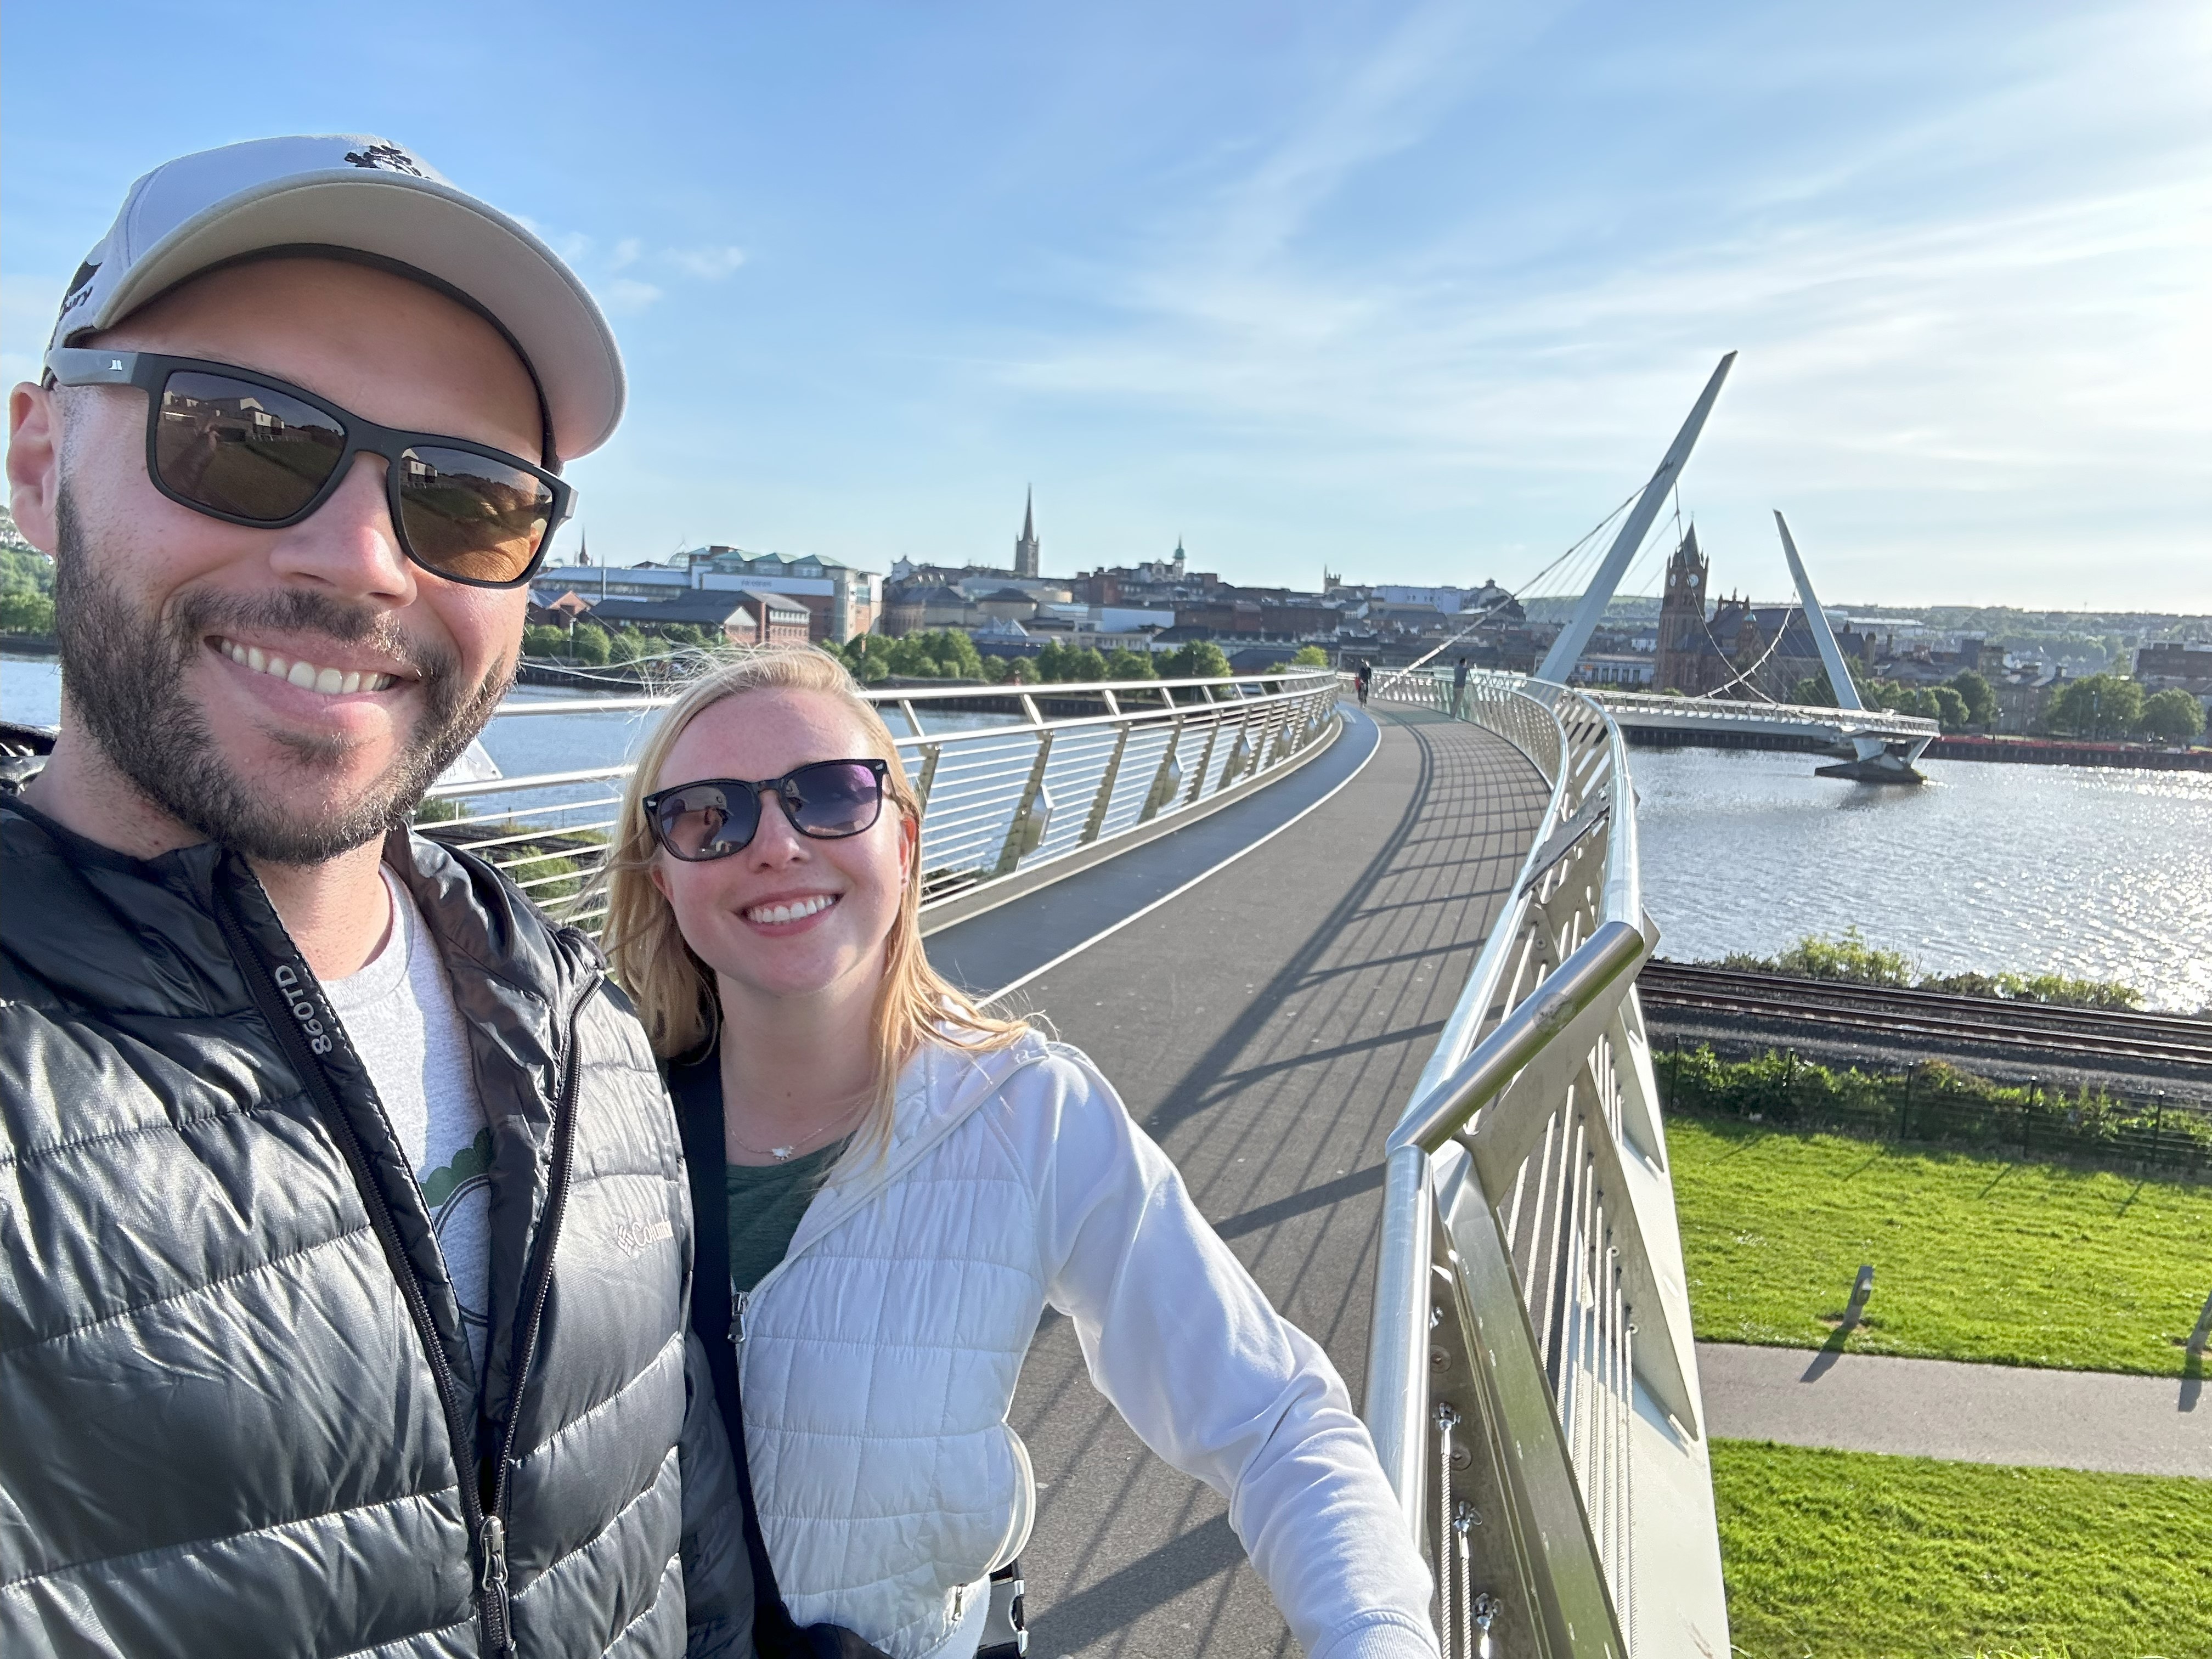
240,447
717,817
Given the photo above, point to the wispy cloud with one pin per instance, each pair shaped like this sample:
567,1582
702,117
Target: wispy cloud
627,294
2017,348
708,264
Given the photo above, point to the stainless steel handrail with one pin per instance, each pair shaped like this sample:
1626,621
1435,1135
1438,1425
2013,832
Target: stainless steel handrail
1530,1365
1011,800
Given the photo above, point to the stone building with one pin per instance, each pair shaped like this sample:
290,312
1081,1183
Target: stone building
1741,650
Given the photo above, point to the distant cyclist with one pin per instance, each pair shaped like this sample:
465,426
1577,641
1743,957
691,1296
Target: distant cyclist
1366,675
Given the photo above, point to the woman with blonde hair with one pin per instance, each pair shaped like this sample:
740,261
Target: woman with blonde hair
893,1183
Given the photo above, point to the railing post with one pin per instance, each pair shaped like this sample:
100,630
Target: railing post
1169,775
1205,758
1097,821
1023,837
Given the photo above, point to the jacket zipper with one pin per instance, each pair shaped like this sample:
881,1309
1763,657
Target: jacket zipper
279,1016
498,1632
487,1524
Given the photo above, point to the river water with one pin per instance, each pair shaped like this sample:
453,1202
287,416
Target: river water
2105,874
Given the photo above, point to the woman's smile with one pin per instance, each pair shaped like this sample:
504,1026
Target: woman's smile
792,913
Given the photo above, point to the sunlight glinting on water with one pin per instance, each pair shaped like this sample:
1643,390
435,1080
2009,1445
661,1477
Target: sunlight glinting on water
2097,872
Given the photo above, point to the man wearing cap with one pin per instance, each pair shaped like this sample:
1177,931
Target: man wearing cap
344,1239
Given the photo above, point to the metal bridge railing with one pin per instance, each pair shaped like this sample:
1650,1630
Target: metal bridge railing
1018,783
1636,706
1532,1382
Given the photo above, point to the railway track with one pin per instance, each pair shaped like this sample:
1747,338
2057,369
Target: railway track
1927,1016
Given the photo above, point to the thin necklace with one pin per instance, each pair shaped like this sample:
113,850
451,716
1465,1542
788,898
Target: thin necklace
783,1154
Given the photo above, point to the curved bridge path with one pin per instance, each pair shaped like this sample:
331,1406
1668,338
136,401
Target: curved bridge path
1265,1021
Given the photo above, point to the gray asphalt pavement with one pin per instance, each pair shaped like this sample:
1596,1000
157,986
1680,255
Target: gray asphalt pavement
1970,1413
1267,1026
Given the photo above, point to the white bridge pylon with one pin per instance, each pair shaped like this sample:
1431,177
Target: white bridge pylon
1559,661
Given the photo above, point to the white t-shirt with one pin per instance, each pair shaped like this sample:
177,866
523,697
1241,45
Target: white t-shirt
399,1012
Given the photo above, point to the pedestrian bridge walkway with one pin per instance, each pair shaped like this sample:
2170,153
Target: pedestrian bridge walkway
1367,977
1267,1026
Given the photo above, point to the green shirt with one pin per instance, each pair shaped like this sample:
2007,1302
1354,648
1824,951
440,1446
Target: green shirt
767,1202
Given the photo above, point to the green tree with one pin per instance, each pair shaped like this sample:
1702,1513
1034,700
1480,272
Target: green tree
25,613
1950,707
588,645
23,568
1981,701
542,640
628,644
956,653
909,657
1813,692
2172,714
2100,706
1311,656
1201,659
1130,665
1086,665
1020,671
866,655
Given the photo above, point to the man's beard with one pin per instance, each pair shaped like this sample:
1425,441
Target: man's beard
124,669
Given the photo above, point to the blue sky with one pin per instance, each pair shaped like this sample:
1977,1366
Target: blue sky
1415,293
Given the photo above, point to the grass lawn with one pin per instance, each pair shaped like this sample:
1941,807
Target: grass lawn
1974,1258
1856,1556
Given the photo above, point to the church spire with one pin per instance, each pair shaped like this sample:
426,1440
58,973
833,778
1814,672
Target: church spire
1028,549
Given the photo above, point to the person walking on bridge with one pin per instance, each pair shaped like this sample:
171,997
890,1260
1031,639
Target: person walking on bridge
1364,678
345,1235
1459,689
892,1185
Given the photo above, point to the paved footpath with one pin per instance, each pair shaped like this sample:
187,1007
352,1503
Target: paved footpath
1969,1413
1267,1026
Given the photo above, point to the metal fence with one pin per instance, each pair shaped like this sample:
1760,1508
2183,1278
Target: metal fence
1018,784
1532,1382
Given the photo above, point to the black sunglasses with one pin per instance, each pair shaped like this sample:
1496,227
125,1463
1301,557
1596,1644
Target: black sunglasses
717,817
246,449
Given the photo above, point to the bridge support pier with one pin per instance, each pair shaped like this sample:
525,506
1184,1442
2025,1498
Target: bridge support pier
1884,767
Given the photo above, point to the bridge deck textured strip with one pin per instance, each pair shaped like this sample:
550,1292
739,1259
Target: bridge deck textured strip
1266,1027
1968,1413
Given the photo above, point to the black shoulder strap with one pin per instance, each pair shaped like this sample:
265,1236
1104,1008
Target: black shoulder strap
696,1089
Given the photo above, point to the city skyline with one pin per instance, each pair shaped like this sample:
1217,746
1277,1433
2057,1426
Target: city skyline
1414,294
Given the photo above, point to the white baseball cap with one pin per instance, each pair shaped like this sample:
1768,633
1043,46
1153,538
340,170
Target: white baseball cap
358,194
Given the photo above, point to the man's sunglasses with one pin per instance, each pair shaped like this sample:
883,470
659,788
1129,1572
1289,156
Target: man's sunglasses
246,449
717,817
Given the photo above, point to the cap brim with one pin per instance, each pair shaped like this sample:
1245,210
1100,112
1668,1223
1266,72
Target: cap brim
436,229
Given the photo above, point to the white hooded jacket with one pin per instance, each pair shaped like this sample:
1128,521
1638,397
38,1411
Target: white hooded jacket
880,1358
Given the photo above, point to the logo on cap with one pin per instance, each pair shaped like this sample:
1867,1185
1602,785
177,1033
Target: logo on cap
80,286
386,158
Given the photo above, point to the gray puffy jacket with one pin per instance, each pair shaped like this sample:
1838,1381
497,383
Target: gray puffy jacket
235,1409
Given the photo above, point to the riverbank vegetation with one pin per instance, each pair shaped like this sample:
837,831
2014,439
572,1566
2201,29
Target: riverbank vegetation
1853,1555
1975,1258
1936,1102
2102,708
1851,959
26,582
947,653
